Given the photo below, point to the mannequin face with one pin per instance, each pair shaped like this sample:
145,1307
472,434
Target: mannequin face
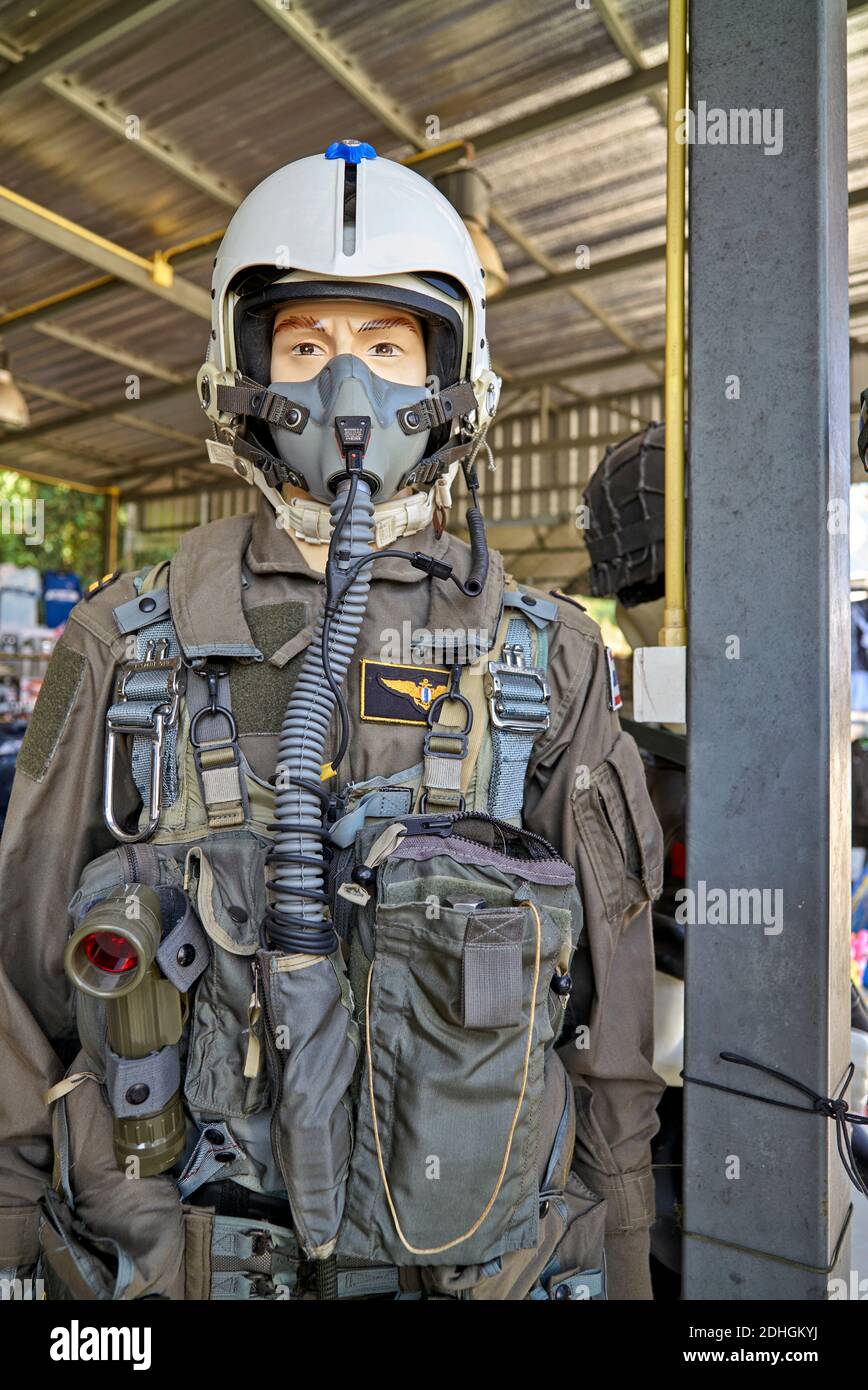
309,333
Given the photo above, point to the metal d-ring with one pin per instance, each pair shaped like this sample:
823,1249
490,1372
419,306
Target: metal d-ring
461,700
211,711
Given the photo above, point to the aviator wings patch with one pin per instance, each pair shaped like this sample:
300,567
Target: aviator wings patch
393,694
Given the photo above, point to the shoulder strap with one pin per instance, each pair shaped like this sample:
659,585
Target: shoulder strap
518,698
152,680
507,696
147,696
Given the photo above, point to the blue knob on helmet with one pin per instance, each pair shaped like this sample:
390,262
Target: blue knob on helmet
352,151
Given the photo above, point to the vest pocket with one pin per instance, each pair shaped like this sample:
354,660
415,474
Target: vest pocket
456,1016
619,830
226,1073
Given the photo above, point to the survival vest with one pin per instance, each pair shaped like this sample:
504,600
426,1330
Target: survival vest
459,1119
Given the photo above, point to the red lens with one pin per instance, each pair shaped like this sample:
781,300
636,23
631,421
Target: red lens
110,952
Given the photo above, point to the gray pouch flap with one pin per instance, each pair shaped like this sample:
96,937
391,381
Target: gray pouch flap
491,982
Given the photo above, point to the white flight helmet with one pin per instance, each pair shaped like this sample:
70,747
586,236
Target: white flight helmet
346,224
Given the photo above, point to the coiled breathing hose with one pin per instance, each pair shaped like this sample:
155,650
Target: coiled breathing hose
296,919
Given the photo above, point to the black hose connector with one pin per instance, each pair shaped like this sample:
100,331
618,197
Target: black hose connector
475,581
428,565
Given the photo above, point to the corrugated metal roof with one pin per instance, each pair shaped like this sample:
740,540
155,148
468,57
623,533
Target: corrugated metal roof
219,82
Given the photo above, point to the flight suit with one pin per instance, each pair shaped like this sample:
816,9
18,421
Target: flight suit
245,583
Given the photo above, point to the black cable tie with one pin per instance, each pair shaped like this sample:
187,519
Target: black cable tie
831,1107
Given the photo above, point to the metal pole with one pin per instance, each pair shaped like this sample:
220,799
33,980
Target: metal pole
766,1200
674,630
110,530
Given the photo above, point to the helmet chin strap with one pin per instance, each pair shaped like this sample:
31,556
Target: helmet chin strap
310,520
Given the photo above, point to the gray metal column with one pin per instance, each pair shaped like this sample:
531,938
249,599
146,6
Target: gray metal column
768,661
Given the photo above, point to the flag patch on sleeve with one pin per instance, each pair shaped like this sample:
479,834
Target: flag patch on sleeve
615,701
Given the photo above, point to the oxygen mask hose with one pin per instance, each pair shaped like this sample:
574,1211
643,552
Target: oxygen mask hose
297,917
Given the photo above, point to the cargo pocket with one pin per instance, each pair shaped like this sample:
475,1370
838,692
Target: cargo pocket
79,1265
513,1276
619,830
577,1269
312,1045
226,1072
445,1163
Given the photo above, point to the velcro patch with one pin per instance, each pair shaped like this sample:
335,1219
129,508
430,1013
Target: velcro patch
259,691
393,694
48,721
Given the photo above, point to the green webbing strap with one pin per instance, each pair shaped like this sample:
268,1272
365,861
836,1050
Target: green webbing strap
444,751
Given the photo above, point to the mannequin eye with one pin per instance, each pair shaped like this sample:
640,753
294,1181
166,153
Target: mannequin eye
386,350
307,350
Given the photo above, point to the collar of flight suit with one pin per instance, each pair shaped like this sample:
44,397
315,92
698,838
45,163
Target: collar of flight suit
205,581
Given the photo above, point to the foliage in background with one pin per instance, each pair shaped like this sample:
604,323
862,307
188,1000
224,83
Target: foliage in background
71,531
602,610
151,548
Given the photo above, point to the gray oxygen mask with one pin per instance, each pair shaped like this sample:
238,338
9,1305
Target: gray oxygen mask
346,386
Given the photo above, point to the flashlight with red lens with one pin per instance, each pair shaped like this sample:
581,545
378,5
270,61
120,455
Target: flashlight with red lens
112,956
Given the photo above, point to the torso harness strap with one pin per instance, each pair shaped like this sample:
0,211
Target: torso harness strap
147,695
147,698
505,700
481,731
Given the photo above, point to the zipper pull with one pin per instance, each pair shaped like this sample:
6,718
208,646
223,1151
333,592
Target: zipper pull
562,985
254,1014
384,844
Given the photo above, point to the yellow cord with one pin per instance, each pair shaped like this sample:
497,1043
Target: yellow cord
439,1249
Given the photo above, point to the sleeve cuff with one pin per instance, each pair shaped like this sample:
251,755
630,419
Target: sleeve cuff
629,1196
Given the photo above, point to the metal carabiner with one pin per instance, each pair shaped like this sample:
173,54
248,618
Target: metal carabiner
154,803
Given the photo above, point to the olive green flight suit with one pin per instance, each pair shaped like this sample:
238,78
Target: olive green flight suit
243,581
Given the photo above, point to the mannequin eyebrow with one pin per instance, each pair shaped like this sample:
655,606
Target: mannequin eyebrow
300,321
375,324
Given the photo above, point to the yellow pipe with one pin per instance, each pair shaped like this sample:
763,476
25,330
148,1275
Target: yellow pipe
155,267
63,295
674,630
421,155
60,298
194,244
110,530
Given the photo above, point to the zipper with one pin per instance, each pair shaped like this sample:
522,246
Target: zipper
132,862
277,1070
443,823
515,830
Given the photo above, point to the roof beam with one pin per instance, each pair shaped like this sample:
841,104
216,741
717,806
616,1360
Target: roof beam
162,151
569,279
113,352
566,371
155,276
88,414
80,41
591,103
624,39
114,119
56,305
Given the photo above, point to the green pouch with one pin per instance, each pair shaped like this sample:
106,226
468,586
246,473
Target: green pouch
452,969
